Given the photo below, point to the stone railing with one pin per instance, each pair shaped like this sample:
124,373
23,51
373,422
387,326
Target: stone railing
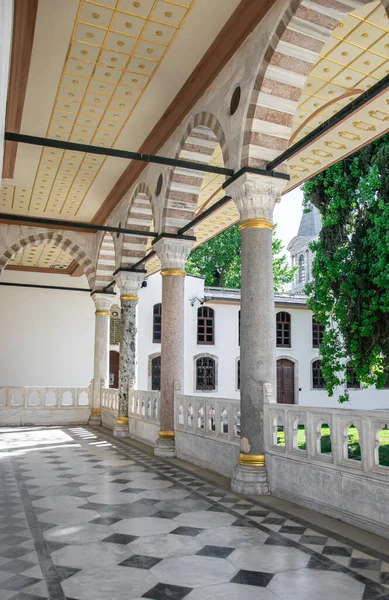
332,460
144,405
207,431
44,405
143,415
109,399
44,397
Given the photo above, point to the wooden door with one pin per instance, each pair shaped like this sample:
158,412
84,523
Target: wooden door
113,369
285,381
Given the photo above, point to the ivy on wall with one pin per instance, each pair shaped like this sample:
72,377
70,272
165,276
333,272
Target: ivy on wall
350,290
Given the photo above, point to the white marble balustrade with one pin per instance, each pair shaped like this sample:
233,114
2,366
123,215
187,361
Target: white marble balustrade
338,482
143,415
207,431
109,399
44,405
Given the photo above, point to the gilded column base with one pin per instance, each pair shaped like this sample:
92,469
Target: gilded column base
250,476
165,446
95,418
120,429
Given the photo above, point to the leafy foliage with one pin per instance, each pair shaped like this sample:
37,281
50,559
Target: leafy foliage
350,291
219,260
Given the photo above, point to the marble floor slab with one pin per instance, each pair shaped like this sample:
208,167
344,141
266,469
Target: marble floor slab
83,515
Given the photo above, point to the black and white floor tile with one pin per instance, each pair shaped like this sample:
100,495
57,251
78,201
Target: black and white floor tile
84,516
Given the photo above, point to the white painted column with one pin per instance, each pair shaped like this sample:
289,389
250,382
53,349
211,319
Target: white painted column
172,254
255,197
103,303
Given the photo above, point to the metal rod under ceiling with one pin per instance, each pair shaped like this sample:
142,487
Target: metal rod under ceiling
45,287
150,158
377,89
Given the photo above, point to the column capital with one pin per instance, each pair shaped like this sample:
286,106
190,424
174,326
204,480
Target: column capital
255,196
103,303
172,253
129,283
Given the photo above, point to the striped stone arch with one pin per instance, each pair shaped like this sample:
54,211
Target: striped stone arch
140,217
106,263
197,144
56,239
293,50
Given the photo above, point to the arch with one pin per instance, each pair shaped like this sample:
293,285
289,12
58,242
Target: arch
291,54
106,261
56,239
141,218
201,136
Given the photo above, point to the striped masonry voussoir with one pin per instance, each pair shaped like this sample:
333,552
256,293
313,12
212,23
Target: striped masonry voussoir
300,36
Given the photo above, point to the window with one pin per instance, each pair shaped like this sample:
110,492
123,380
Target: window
157,323
205,374
283,330
156,373
352,380
317,376
238,375
301,272
317,333
205,325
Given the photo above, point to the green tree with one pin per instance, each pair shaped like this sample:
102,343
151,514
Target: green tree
218,260
350,291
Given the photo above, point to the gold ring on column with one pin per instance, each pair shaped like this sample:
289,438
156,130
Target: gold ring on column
256,224
174,272
166,434
102,312
96,411
252,460
122,420
129,297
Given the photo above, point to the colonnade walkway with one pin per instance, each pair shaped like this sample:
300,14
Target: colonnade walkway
84,515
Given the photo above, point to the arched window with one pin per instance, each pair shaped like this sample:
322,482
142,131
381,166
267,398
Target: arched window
352,379
205,325
317,333
317,375
283,330
157,323
156,373
301,271
238,375
205,374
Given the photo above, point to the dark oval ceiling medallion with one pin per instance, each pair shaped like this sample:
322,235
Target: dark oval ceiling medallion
235,100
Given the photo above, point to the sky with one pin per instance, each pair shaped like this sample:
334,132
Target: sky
287,216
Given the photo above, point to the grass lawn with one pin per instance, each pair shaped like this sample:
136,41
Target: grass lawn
354,449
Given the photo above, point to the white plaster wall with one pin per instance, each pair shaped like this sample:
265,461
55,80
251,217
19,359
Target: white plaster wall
226,349
46,336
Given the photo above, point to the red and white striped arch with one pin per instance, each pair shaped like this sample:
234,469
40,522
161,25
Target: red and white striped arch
197,144
140,218
106,261
302,32
56,239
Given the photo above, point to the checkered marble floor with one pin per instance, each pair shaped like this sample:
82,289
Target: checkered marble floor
85,516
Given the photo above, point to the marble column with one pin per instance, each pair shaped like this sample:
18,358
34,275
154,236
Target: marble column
255,197
172,254
103,303
129,284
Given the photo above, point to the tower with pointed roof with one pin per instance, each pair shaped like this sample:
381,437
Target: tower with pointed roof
300,253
